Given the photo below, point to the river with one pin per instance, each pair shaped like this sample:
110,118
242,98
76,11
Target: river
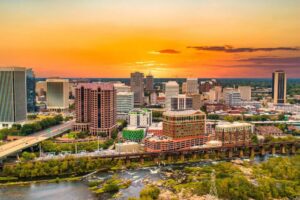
79,190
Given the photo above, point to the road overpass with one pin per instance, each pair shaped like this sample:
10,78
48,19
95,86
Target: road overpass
16,146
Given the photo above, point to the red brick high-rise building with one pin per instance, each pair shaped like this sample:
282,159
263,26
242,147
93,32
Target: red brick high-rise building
95,108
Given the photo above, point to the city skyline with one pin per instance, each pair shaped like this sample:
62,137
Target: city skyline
170,39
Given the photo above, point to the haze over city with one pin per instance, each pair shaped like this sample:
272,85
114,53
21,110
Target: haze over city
156,100
172,38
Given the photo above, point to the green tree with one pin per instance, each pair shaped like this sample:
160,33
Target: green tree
213,116
150,192
281,117
26,156
111,187
114,134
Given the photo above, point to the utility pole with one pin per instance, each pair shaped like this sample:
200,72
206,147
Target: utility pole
213,189
40,147
98,143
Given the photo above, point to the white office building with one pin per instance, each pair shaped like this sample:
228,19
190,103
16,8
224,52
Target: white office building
233,98
125,102
13,98
57,94
171,90
140,118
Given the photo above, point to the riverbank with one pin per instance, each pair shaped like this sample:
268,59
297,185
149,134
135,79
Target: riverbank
52,180
119,166
178,180
72,170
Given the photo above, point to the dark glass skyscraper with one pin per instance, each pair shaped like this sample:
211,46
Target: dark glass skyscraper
279,85
149,83
137,87
30,84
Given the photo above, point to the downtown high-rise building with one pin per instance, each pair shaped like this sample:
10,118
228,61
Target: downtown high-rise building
137,87
171,90
30,86
13,98
233,98
149,83
125,103
192,86
57,94
181,102
95,108
245,92
279,85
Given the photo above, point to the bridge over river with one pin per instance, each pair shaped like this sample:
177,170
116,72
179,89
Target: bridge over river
239,150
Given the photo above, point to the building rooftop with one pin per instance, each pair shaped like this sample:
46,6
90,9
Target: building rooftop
159,138
120,85
139,111
124,93
192,79
57,80
95,86
12,68
134,128
126,143
182,112
156,126
231,125
171,83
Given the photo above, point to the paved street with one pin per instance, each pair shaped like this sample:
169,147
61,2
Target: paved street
18,145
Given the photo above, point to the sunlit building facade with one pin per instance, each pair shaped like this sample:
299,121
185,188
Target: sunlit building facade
95,108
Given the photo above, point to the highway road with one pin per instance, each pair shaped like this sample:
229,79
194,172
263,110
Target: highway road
28,141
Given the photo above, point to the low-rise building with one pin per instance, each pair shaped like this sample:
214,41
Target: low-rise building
128,147
268,131
234,133
140,117
133,134
155,129
213,107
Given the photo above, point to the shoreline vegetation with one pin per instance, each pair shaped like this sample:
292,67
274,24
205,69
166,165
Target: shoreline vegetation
277,177
71,167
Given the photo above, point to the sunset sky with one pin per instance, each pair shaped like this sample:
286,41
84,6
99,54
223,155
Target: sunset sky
169,38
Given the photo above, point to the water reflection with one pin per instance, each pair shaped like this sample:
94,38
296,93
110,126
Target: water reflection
47,191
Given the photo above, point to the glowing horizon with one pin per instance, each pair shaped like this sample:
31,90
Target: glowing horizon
171,38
